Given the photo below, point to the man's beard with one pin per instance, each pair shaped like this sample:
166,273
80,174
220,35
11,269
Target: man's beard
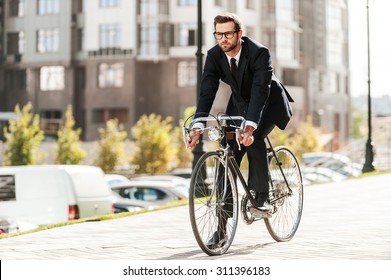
229,48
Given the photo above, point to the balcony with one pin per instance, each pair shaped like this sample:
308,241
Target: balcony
110,52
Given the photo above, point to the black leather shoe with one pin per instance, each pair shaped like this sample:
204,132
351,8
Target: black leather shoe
219,237
265,207
262,203
217,240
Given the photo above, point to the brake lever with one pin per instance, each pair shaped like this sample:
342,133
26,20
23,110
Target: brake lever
238,133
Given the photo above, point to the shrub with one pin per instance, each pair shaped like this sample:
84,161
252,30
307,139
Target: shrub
69,150
23,137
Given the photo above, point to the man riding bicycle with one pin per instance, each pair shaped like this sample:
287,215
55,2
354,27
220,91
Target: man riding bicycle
245,65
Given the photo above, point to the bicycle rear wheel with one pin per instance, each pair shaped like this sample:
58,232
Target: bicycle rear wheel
212,210
288,205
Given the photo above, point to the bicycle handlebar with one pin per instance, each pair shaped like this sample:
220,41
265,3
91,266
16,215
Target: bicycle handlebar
220,119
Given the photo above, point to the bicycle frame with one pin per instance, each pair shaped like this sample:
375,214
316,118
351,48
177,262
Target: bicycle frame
229,156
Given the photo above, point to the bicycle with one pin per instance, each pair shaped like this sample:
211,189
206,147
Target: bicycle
214,191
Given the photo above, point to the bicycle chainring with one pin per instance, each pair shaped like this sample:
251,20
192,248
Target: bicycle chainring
247,216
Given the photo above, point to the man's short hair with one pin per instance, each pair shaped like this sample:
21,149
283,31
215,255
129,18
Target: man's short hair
228,17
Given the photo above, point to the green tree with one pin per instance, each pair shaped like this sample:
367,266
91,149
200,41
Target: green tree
279,137
23,137
69,150
111,150
303,139
153,144
184,156
306,139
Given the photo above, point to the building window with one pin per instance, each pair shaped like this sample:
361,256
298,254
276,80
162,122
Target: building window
153,7
182,3
334,16
285,44
149,39
109,35
50,122
15,43
21,42
111,75
46,7
186,34
80,6
187,73
104,115
17,8
284,10
15,80
334,83
154,35
80,39
109,3
47,40
334,51
51,78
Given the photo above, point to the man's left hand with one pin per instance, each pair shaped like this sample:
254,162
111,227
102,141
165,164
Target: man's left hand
247,136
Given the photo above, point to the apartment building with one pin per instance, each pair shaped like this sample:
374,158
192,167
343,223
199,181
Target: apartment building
325,62
121,59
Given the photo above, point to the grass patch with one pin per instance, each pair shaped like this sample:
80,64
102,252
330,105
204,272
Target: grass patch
373,173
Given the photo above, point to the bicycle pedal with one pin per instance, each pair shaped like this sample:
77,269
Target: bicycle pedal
258,213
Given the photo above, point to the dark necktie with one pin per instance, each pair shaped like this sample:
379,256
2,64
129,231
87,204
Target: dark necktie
234,70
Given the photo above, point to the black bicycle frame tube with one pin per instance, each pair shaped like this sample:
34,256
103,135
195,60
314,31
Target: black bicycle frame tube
278,163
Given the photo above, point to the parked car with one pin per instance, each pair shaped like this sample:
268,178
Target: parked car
321,174
113,179
8,225
130,205
182,172
337,162
159,192
43,195
176,180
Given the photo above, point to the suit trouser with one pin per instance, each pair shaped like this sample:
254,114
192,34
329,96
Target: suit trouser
258,177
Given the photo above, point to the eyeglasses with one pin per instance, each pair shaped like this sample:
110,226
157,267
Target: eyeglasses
228,34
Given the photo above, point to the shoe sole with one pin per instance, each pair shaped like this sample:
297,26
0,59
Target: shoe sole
259,213
218,244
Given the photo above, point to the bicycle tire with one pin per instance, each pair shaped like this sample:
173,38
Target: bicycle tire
205,207
288,209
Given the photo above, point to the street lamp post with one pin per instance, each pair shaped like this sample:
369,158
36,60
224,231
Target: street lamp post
199,149
368,165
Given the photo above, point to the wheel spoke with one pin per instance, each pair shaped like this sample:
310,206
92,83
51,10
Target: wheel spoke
206,204
283,224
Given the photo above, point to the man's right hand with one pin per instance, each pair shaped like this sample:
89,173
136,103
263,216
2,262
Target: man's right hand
194,138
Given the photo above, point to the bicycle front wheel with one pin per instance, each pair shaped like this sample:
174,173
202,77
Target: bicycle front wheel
213,207
287,202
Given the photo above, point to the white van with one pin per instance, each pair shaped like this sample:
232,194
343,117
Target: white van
44,195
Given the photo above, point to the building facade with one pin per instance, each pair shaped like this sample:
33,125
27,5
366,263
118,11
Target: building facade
122,59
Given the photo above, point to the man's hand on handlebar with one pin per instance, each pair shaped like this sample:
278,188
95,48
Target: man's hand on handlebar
247,137
194,138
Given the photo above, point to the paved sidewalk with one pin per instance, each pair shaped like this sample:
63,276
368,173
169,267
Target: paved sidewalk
347,220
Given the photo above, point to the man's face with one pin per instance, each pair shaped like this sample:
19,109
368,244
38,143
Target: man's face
225,44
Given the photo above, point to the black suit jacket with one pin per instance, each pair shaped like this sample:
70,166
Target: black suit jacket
250,97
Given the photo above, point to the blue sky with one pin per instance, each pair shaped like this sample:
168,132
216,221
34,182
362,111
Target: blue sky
380,46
